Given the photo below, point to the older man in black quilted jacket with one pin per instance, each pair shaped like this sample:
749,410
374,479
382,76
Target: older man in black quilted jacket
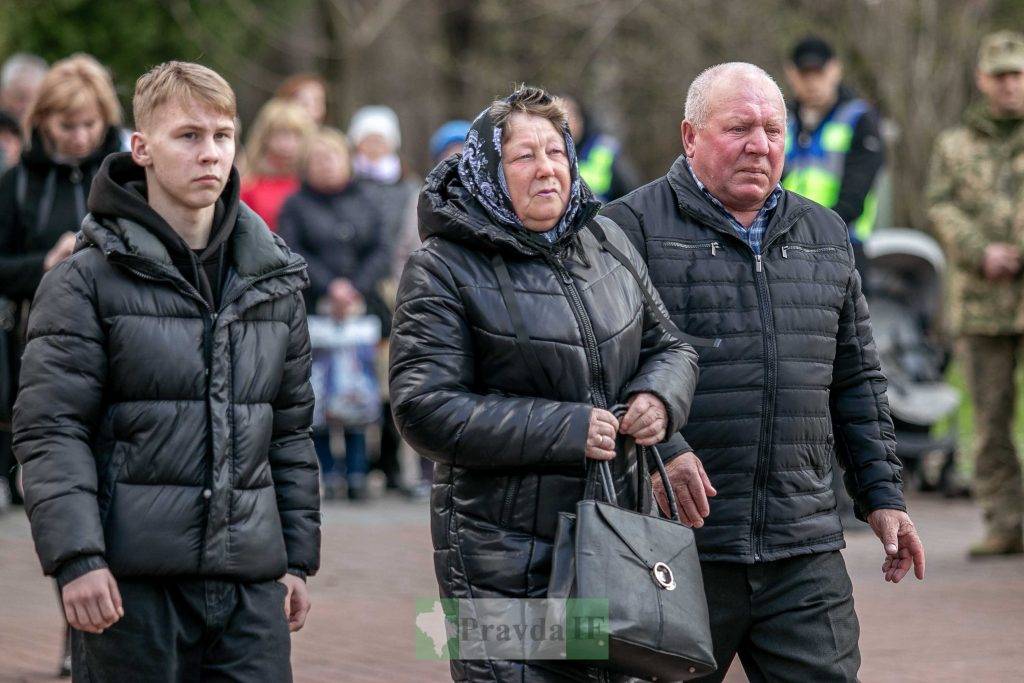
796,377
163,422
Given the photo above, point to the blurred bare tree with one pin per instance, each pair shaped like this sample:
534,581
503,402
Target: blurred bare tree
629,60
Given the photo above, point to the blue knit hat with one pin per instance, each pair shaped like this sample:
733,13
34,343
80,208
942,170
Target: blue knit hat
448,134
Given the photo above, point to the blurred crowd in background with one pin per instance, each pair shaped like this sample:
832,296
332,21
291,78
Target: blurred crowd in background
345,199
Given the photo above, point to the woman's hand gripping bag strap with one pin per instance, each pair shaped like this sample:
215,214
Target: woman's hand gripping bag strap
648,570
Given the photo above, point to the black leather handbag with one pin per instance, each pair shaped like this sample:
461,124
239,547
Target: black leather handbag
648,570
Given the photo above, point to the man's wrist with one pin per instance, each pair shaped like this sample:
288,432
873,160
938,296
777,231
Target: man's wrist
295,571
77,567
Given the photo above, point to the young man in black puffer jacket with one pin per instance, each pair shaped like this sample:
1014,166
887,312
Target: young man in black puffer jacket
795,377
163,420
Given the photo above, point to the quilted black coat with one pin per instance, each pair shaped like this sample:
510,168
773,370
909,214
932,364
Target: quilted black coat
795,378
509,447
158,435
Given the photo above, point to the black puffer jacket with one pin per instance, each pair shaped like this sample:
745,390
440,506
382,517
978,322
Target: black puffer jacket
40,200
160,436
796,376
340,235
509,451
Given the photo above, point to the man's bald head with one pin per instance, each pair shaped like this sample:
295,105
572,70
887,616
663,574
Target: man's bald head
722,80
734,134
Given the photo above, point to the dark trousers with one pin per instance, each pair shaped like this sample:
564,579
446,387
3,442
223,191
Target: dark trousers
356,462
789,620
191,630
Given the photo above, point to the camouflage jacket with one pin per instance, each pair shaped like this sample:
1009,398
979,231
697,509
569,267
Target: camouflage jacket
976,197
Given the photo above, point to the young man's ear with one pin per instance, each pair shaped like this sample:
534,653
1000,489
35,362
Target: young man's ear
140,149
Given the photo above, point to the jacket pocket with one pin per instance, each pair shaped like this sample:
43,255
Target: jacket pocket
112,473
694,247
508,503
808,251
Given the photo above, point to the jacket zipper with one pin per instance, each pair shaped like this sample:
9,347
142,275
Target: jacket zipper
589,339
806,250
701,245
515,481
760,498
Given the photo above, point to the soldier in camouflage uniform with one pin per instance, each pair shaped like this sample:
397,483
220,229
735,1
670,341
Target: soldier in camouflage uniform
976,197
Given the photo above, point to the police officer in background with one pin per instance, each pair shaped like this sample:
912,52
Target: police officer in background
602,164
834,151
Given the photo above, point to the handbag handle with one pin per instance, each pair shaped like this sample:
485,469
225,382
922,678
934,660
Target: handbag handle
601,471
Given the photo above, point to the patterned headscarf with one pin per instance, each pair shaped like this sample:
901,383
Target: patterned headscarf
482,174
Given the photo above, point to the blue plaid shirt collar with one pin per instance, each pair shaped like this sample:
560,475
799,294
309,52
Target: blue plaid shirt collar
755,232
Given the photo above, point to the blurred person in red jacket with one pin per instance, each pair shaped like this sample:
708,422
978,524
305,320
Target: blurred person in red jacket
272,156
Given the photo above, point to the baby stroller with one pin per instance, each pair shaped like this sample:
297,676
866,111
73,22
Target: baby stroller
905,294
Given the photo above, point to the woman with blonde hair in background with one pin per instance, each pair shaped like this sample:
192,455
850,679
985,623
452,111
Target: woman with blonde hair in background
70,127
272,155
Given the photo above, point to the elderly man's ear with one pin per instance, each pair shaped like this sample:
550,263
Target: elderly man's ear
688,134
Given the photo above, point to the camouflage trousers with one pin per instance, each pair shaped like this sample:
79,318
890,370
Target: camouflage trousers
990,364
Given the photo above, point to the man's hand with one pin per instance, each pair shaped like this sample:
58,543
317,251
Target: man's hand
601,435
902,545
64,247
1000,261
692,488
645,420
296,601
92,602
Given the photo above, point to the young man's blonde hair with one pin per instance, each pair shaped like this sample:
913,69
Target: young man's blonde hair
276,115
326,138
182,82
72,84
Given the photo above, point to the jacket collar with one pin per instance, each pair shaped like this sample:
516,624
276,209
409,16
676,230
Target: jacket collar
692,201
255,250
978,118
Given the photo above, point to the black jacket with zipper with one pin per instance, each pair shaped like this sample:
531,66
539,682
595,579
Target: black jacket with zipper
508,440
163,433
796,375
40,200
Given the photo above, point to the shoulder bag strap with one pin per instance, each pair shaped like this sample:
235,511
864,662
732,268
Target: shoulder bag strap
652,305
526,348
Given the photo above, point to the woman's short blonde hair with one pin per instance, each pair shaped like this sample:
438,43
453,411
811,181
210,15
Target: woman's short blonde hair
72,84
528,99
182,82
327,138
276,115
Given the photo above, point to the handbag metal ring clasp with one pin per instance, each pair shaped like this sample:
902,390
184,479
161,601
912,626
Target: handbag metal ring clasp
663,576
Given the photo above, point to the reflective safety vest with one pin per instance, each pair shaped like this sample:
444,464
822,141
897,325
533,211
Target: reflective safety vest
595,164
814,163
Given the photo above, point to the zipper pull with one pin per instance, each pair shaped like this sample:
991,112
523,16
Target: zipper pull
714,248
566,278
785,252
757,260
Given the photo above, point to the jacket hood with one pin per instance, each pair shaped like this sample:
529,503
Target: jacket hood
122,222
447,209
36,157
